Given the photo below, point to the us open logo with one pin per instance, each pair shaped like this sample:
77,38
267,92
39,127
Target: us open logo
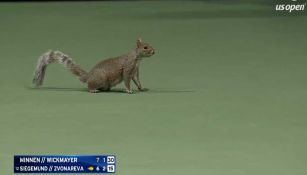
293,6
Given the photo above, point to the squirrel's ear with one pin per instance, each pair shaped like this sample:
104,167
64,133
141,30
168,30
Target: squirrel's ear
138,42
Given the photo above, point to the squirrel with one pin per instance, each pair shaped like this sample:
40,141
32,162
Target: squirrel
105,74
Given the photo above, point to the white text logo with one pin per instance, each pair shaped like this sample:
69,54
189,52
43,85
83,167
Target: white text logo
291,7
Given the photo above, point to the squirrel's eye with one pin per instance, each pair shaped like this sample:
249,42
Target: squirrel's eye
145,47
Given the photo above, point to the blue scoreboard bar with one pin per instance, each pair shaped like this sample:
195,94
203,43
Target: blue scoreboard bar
64,164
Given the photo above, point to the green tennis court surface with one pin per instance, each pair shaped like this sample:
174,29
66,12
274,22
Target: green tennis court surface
227,87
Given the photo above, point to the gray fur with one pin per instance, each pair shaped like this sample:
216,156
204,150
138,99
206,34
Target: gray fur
105,74
56,56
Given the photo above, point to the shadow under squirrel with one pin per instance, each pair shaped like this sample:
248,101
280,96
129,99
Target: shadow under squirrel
104,75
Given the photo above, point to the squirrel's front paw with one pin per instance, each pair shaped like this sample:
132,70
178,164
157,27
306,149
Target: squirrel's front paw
129,91
93,91
144,89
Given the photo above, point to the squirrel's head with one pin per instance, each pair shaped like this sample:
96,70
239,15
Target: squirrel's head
144,49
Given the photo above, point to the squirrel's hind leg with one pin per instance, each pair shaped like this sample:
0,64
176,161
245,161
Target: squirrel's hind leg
104,89
100,89
93,90
95,84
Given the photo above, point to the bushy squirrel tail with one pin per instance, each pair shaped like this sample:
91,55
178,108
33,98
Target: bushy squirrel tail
56,56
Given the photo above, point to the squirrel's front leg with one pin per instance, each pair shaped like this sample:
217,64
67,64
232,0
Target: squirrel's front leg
136,80
127,79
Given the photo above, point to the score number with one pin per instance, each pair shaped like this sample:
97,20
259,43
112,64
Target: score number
110,160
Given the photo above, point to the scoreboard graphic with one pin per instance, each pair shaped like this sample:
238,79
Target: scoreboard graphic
64,164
